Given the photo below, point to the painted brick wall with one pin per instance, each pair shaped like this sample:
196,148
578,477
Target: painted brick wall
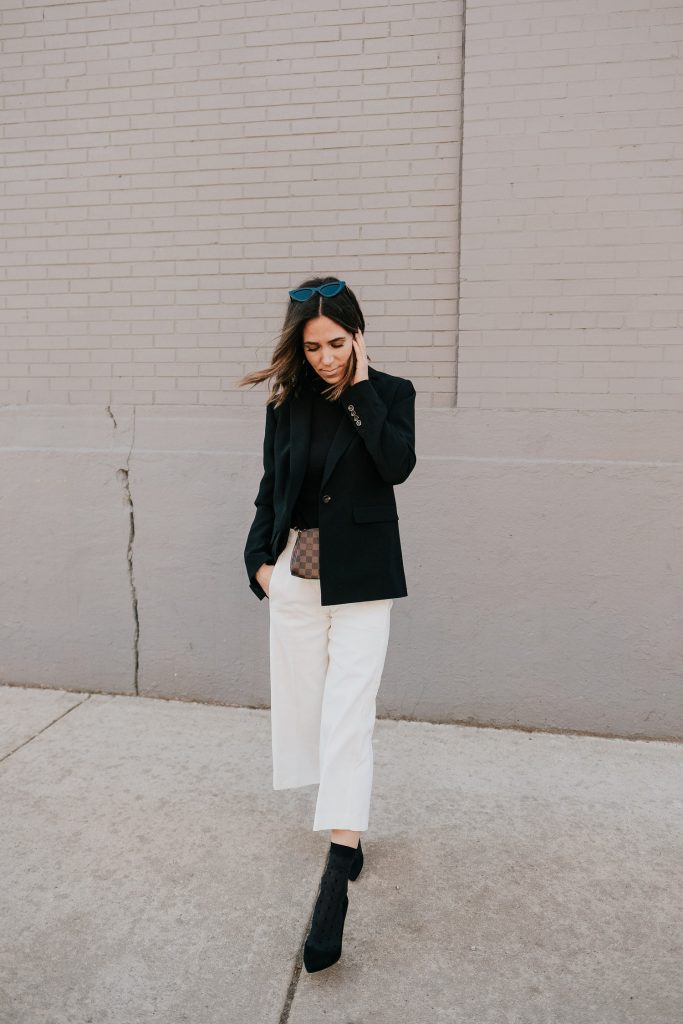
168,173
572,188
171,169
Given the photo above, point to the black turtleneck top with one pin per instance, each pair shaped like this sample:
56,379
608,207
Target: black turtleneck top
325,418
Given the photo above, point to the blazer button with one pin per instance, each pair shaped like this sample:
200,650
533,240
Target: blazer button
326,498
358,422
350,408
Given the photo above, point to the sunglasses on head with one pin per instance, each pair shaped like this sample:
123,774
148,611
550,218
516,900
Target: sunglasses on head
326,290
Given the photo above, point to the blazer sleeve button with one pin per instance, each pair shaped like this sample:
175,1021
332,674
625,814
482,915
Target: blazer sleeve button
326,498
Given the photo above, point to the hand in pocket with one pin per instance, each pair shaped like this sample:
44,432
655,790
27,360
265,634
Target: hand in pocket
263,576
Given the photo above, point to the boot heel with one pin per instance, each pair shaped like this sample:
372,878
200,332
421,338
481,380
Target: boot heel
357,863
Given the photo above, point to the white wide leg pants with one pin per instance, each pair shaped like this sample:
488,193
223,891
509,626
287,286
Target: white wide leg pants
326,665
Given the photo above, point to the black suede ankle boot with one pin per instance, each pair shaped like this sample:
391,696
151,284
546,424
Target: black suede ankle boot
323,945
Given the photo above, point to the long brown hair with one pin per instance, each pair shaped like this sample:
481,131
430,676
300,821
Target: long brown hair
288,362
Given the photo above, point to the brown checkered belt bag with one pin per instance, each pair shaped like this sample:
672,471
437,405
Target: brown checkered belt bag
305,560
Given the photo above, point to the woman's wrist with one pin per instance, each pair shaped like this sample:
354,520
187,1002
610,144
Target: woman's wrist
259,571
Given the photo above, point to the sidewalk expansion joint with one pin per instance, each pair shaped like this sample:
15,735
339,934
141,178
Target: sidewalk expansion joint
45,728
296,973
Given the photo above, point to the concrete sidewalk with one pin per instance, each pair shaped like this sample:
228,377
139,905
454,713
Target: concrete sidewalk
151,875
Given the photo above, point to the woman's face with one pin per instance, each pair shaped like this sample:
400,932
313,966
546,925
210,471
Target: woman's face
327,347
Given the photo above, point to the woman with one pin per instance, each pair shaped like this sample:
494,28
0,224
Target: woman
338,436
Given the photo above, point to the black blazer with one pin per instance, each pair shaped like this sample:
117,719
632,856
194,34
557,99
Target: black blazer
372,449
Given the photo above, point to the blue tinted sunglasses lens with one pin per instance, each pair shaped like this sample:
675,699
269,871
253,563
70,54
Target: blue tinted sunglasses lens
327,290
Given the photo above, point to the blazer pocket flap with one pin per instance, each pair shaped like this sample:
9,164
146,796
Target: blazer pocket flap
374,513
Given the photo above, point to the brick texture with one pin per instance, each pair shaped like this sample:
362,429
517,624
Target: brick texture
169,171
571,280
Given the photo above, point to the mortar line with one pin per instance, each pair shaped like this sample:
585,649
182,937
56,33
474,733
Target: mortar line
458,207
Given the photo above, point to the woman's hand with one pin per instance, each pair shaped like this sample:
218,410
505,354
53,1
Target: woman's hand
263,574
361,358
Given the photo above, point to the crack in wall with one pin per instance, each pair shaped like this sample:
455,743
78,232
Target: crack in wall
123,475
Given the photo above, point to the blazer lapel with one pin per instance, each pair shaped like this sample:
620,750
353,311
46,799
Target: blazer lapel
300,435
343,437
